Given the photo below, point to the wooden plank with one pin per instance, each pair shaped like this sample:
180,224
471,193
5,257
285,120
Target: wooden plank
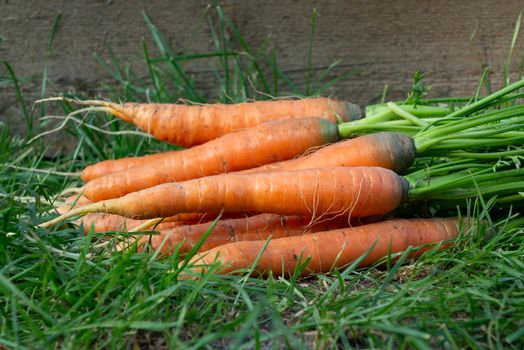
382,42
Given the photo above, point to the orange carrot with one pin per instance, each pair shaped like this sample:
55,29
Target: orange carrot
388,150
257,227
189,125
356,192
269,142
330,249
393,151
102,222
113,165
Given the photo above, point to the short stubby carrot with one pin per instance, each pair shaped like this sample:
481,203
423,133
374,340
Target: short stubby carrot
352,191
109,166
329,249
257,227
267,143
190,125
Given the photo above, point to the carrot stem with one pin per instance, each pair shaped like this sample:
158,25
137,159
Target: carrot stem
428,142
494,189
488,142
489,155
453,131
484,181
486,100
381,116
478,120
405,114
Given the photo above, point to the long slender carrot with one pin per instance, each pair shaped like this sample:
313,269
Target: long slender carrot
388,150
358,191
105,167
102,222
280,140
189,125
114,165
354,191
267,143
330,249
257,227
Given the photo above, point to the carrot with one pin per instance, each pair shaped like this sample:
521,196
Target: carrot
105,167
113,165
330,249
269,142
189,125
281,140
388,150
358,191
102,222
354,191
257,227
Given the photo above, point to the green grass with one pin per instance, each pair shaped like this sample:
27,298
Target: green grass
53,295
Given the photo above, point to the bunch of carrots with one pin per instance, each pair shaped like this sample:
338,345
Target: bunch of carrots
310,184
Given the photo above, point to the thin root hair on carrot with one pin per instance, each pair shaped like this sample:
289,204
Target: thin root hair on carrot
49,99
80,122
44,171
76,101
64,123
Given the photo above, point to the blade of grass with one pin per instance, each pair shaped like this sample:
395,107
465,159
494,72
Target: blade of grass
165,50
309,64
507,65
8,286
27,116
248,52
52,35
224,58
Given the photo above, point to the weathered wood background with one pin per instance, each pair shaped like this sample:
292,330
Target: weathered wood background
383,42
